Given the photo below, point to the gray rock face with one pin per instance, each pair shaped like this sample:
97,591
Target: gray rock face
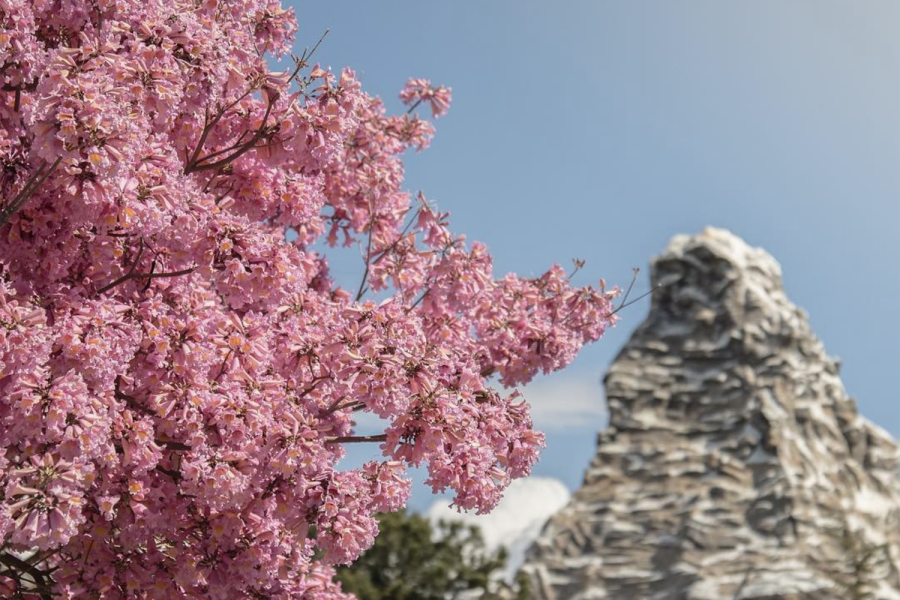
735,465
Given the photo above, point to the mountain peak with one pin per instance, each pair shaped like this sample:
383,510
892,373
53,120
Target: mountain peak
734,465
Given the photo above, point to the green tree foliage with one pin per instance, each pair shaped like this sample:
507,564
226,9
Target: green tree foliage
411,560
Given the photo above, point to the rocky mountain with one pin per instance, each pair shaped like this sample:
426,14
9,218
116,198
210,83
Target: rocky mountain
735,466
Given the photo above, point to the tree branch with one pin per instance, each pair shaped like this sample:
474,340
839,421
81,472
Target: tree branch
38,576
356,439
338,406
362,283
194,164
171,445
638,299
208,126
147,276
31,186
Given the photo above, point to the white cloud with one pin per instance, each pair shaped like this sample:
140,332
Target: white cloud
566,401
516,521
557,401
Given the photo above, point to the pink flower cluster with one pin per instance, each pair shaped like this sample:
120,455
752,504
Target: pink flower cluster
417,91
177,381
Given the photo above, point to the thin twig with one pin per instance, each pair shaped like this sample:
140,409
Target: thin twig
165,275
639,298
150,279
148,276
316,47
336,407
237,144
579,263
87,553
208,126
399,239
356,439
193,162
247,146
362,283
634,275
370,262
313,384
130,272
414,106
419,300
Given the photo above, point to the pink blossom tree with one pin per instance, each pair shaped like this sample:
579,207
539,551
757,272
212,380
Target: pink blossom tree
179,377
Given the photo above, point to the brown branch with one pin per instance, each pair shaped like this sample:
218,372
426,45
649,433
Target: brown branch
313,384
22,87
370,261
365,276
579,263
399,239
414,106
172,445
194,160
149,279
175,475
38,576
208,126
134,263
418,301
356,439
148,276
237,144
306,56
195,165
337,406
210,181
31,186
638,299
303,61
272,144
165,275
228,356
634,275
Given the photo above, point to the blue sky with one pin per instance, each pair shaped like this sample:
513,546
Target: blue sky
599,130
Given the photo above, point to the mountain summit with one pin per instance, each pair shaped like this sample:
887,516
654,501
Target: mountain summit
735,466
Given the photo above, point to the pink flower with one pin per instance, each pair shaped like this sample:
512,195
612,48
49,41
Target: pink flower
417,91
45,501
